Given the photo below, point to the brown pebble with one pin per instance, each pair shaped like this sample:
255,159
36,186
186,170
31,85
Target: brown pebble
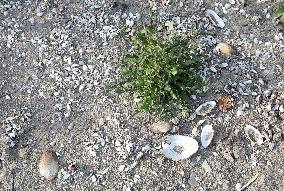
48,165
225,49
160,127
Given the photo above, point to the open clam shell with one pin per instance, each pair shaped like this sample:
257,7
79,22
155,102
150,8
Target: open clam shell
179,147
253,134
205,108
207,135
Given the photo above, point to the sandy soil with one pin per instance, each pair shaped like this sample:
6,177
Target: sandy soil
56,57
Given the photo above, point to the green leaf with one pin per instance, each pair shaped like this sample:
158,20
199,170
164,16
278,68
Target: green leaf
174,71
282,20
280,10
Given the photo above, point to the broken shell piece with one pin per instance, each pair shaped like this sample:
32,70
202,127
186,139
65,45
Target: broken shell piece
238,186
225,49
160,127
179,147
215,19
48,165
207,135
121,168
205,108
253,134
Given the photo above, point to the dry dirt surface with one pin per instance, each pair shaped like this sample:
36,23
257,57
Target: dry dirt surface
56,57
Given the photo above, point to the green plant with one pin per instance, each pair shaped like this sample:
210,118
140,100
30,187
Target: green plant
280,13
160,71
280,10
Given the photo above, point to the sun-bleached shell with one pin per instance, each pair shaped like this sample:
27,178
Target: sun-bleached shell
207,135
179,147
253,134
205,108
215,19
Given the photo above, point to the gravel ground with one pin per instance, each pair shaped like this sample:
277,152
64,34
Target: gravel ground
56,57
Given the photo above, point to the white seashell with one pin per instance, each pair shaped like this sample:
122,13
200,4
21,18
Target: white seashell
65,175
179,147
121,168
207,135
39,14
205,108
213,69
200,122
82,87
238,186
267,93
216,20
253,134
281,109
94,178
206,167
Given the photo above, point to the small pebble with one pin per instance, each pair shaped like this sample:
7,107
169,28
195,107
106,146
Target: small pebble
206,167
225,49
228,157
224,65
8,97
39,14
160,127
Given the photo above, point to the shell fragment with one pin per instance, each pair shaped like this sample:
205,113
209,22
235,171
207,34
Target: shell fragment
215,19
253,134
205,108
207,135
